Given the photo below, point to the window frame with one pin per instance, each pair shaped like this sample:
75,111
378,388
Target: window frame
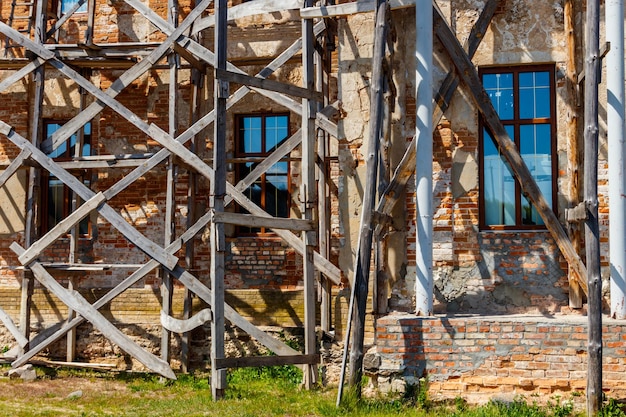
46,177
243,157
517,122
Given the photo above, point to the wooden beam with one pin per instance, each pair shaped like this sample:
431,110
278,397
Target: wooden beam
362,261
470,77
77,303
258,361
13,167
346,9
13,329
21,73
60,229
255,221
250,9
270,85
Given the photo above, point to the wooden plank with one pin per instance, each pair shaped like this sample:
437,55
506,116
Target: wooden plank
150,248
183,326
13,167
77,303
255,221
66,16
360,281
266,84
13,329
470,77
258,361
21,73
61,229
592,223
250,9
217,193
361,6
406,168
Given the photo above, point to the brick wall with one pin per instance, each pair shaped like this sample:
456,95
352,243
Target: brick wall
480,357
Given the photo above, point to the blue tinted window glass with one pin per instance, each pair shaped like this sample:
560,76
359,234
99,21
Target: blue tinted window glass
498,186
275,131
499,87
66,5
252,134
534,95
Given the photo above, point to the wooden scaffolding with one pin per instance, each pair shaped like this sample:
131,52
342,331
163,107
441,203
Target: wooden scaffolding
311,102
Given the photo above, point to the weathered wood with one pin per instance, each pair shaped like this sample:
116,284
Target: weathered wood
406,168
308,195
571,10
150,248
258,361
592,224
76,302
59,23
183,326
13,167
217,194
361,6
250,9
255,221
268,84
21,73
13,329
470,77
364,249
61,229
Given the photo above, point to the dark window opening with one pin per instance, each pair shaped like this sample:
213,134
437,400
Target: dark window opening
257,136
57,198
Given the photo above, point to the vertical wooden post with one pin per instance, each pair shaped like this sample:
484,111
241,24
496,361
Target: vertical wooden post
33,175
218,191
574,157
91,17
592,241
308,194
198,84
172,173
321,84
363,255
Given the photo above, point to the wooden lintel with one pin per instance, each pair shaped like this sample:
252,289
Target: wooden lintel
258,221
257,361
270,85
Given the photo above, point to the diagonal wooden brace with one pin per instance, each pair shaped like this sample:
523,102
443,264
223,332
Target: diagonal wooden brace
77,303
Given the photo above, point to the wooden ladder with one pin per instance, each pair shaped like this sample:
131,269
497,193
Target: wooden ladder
13,19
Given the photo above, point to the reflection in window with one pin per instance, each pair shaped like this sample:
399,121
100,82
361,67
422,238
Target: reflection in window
66,6
523,98
258,137
57,197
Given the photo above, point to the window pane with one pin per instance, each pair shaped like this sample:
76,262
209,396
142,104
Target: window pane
56,202
66,5
276,191
275,131
535,147
534,95
61,149
251,134
500,90
499,185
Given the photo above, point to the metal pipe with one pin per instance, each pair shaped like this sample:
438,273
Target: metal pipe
424,158
617,149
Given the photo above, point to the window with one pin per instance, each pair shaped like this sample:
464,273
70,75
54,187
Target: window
524,99
57,198
257,137
66,6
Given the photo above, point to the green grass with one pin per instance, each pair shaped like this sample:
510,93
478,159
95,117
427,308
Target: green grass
252,392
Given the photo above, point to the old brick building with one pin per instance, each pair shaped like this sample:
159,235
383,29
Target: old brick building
94,113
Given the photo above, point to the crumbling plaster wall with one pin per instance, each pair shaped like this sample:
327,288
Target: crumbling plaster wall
474,271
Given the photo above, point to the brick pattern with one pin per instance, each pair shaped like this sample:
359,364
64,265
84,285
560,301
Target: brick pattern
477,358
